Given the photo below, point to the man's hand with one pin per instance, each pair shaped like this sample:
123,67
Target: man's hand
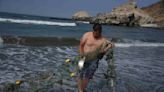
107,47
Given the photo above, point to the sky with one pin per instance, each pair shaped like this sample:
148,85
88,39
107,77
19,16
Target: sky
63,8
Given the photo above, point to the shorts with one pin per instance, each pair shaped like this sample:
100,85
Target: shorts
88,70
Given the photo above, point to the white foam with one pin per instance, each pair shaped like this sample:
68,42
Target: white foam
1,40
60,50
85,22
139,44
38,22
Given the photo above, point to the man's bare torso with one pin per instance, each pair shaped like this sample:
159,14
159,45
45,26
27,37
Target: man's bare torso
92,44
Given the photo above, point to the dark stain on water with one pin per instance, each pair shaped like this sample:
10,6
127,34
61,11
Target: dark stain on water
138,69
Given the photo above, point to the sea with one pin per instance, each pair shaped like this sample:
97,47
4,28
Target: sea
32,46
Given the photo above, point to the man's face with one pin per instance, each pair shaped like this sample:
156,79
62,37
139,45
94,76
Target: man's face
96,34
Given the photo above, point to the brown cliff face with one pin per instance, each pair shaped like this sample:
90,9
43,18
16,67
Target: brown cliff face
127,14
156,11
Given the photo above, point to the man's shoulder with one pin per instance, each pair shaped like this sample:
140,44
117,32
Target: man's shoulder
104,39
87,34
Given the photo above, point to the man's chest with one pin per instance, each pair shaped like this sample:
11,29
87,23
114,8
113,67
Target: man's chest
93,42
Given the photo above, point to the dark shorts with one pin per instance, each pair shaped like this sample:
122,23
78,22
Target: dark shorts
88,70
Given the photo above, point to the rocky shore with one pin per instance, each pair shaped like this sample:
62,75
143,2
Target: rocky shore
127,14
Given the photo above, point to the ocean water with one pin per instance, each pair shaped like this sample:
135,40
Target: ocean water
32,46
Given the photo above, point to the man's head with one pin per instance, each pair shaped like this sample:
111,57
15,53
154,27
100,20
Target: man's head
97,29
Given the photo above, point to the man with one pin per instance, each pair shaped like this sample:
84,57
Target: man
92,46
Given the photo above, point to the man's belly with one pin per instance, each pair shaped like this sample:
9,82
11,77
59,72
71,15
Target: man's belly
89,49
91,53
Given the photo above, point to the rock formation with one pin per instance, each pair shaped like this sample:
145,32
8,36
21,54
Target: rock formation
81,16
127,14
156,10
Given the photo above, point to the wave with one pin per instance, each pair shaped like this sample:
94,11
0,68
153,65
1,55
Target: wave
139,44
54,41
37,22
1,40
40,41
123,40
85,22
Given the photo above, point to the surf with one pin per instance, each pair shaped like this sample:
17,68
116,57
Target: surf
139,44
36,22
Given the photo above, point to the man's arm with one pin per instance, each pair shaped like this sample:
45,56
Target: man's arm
106,46
82,44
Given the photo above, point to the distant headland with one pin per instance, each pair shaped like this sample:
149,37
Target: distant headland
128,14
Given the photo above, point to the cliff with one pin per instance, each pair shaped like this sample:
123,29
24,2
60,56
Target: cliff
127,14
156,10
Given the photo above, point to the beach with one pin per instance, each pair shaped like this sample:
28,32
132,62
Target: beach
33,48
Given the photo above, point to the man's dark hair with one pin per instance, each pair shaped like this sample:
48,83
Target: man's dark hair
97,27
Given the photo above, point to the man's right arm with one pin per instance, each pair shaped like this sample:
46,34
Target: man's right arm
82,43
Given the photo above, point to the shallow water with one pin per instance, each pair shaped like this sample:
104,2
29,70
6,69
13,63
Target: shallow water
138,69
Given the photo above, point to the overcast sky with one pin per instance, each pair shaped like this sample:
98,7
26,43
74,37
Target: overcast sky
63,8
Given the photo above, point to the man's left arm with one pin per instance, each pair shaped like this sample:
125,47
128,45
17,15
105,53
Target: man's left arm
109,45
106,46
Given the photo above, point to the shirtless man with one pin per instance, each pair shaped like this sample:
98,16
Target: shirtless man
90,42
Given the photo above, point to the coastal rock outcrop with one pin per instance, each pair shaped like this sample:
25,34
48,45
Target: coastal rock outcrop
81,16
127,14
156,10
